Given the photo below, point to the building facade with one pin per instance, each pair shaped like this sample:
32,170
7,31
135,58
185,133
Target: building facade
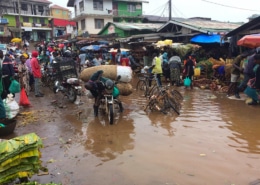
29,19
61,24
92,15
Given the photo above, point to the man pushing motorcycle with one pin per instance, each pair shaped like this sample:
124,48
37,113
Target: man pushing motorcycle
96,85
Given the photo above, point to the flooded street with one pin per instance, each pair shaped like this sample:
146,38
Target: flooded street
214,141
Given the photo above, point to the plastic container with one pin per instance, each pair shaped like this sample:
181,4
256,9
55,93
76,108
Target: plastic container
197,71
10,125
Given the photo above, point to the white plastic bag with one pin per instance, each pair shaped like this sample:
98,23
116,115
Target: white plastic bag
11,106
125,72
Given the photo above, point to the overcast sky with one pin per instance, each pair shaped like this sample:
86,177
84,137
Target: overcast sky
221,10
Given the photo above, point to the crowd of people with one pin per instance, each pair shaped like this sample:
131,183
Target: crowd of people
20,64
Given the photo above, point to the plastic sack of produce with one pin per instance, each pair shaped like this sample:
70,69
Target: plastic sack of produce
11,106
110,71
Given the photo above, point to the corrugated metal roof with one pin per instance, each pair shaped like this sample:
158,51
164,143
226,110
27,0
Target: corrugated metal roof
247,26
203,25
136,26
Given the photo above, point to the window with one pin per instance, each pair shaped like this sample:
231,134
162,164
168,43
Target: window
34,20
2,30
24,7
57,11
25,19
81,6
83,25
99,23
131,7
42,20
40,8
98,5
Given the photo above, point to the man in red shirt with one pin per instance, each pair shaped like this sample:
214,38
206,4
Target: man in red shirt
124,61
36,70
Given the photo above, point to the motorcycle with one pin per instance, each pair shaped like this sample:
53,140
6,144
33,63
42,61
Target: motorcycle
109,99
70,87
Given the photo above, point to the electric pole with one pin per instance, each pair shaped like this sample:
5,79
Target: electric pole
19,17
170,10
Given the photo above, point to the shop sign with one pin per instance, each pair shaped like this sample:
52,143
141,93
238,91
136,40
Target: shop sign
37,25
3,21
111,29
27,24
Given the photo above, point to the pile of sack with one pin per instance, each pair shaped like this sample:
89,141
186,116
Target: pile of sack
111,72
20,157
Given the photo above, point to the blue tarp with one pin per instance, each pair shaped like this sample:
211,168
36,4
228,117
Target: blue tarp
90,47
207,39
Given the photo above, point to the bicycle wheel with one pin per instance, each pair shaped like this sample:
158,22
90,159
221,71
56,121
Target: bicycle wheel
177,95
153,91
172,104
142,87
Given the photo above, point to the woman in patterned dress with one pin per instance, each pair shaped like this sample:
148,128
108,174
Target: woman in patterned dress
24,75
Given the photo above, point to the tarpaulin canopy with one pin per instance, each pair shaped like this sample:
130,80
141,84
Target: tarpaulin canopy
207,39
90,47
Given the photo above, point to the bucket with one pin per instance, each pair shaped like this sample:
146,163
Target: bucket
10,125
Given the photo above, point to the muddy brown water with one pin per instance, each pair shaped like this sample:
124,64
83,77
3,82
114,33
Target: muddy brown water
214,141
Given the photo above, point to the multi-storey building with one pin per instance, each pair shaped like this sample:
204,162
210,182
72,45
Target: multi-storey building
92,15
28,19
61,24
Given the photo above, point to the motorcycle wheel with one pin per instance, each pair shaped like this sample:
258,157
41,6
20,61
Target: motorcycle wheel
110,114
72,94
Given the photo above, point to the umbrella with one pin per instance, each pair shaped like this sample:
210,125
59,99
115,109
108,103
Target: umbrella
91,47
250,41
16,40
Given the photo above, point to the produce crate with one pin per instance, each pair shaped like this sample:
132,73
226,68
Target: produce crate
65,67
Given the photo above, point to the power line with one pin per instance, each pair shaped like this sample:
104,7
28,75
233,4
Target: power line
177,10
228,6
157,10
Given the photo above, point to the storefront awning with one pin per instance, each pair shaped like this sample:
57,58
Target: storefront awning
63,23
14,29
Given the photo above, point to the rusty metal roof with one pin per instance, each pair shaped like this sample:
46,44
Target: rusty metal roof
203,25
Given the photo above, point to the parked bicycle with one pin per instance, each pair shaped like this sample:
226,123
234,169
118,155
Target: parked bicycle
142,85
164,102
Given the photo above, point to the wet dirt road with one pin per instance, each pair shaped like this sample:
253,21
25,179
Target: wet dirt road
215,141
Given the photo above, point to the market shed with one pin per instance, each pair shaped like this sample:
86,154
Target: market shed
251,27
129,29
183,30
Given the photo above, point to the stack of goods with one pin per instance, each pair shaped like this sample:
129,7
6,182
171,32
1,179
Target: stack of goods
19,157
205,68
111,72
65,67
184,49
